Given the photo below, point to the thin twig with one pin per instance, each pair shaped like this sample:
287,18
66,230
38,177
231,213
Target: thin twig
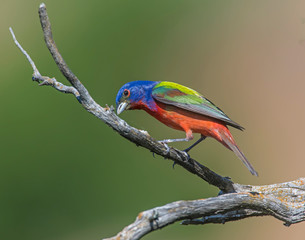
36,72
44,80
63,67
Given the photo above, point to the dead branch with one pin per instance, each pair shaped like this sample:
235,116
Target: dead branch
284,201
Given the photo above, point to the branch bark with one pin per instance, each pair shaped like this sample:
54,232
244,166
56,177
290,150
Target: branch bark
284,201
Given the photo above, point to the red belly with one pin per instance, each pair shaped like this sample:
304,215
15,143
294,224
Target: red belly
184,120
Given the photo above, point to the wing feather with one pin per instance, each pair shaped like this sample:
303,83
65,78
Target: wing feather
190,100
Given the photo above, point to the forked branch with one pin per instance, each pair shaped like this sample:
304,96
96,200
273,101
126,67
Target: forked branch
284,201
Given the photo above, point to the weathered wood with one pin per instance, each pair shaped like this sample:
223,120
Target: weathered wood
284,201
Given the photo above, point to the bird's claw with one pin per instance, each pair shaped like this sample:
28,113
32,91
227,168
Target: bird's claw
166,146
187,155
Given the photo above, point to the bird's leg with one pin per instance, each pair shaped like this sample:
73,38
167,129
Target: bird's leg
189,137
174,140
193,145
166,141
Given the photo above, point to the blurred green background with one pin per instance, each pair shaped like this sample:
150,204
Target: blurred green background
66,175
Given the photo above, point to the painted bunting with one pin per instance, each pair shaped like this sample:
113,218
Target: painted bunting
181,108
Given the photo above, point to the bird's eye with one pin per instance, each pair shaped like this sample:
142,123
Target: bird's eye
126,93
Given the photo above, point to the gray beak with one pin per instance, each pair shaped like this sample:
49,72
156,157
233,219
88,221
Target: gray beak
122,106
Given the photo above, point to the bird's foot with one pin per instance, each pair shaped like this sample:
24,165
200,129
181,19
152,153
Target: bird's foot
187,158
187,155
165,145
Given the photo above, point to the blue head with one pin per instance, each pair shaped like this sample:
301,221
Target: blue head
134,95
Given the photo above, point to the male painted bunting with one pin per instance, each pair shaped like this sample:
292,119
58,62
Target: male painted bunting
181,108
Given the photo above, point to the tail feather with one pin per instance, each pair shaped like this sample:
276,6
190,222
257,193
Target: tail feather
243,158
228,140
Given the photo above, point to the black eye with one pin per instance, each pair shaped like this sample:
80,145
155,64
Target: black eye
126,93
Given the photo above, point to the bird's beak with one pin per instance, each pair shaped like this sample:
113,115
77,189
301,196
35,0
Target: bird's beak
122,106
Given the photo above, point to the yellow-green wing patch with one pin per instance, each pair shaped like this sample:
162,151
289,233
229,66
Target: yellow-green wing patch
189,99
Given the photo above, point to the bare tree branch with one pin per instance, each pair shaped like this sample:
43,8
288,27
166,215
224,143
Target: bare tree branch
63,67
284,201
43,80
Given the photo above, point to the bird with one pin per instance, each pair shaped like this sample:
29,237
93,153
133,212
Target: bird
183,109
